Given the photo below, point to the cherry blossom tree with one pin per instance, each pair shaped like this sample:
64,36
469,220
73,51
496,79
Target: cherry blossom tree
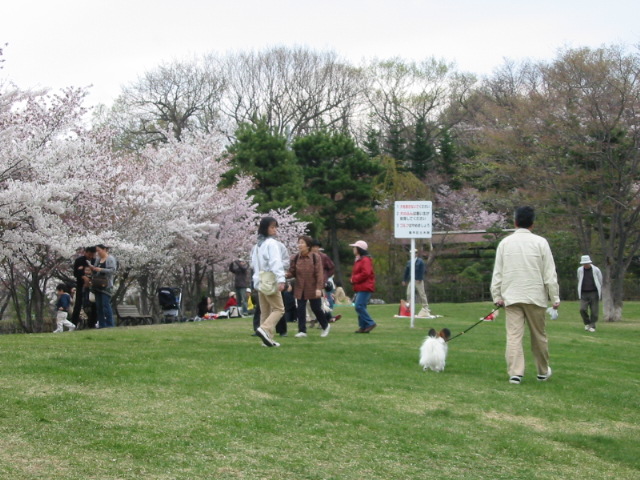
46,157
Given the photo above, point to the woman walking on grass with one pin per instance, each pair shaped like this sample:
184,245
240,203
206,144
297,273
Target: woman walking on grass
306,267
363,281
269,260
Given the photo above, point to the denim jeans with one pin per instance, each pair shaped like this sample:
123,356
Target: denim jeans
103,309
364,319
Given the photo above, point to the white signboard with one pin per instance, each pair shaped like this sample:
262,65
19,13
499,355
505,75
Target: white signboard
413,219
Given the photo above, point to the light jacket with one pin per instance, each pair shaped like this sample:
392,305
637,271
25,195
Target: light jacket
524,271
597,278
269,255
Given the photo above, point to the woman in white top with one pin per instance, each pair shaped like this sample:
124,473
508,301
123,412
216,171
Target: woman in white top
269,255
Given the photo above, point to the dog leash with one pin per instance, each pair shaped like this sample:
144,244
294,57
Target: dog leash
477,323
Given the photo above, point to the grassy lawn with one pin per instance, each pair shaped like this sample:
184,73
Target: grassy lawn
205,400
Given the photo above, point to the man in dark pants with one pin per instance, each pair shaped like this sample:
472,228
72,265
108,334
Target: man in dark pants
589,292
242,280
78,272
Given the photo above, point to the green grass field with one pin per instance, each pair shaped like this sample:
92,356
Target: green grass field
206,401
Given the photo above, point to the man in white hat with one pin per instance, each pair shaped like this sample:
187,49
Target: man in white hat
589,292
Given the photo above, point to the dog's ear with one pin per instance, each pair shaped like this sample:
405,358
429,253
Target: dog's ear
445,333
432,332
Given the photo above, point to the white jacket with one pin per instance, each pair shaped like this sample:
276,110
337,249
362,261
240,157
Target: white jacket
597,278
270,256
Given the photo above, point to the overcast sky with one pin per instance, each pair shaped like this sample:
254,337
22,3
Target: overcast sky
109,43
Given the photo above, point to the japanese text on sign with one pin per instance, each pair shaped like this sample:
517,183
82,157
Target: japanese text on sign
413,219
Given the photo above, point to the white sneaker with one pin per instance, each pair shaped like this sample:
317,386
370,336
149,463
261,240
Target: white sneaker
591,329
587,327
300,335
57,330
72,328
266,338
542,378
325,332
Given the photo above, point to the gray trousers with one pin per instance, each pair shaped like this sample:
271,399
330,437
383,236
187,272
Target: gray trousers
589,301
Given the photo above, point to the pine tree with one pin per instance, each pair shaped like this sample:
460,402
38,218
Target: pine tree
260,152
422,152
396,143
338,183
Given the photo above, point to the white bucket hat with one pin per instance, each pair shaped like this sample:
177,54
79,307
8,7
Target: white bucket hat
585,259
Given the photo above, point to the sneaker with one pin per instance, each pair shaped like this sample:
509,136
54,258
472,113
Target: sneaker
325,332
360,330
591,329
516,379
283,335
73,327
57,330
543,378
336,318
266,339
368,329
587,327
300,335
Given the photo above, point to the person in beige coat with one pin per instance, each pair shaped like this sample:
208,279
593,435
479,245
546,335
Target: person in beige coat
524,280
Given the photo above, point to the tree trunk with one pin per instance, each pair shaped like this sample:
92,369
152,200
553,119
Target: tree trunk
612,295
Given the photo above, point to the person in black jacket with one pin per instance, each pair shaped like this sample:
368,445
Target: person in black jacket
242,281
79,265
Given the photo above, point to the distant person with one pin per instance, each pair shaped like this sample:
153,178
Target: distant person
420,273
290,306
363,281
62,309
328,269
269,260
231,301
204,306
241,281
104,269
589,292
306,268
340,297
79,266
524,279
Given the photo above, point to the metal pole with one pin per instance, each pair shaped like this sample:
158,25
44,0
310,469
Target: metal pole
412,281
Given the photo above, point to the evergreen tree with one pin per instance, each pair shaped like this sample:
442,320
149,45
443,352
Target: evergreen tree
372,142
447,163
395,144
338,180
260,152
423,151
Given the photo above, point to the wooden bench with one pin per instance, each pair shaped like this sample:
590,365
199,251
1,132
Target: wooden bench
129,315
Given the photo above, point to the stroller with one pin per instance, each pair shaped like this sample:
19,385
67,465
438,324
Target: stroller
170,299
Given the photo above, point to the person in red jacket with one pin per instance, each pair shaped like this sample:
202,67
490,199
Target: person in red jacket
363,281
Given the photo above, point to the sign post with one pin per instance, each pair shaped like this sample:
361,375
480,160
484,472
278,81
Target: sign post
413,220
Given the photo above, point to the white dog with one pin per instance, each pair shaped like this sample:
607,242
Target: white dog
433,352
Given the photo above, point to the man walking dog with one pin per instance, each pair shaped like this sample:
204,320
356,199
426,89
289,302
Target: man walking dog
524,279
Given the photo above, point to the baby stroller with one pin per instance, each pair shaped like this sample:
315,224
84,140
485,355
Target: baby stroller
170,299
